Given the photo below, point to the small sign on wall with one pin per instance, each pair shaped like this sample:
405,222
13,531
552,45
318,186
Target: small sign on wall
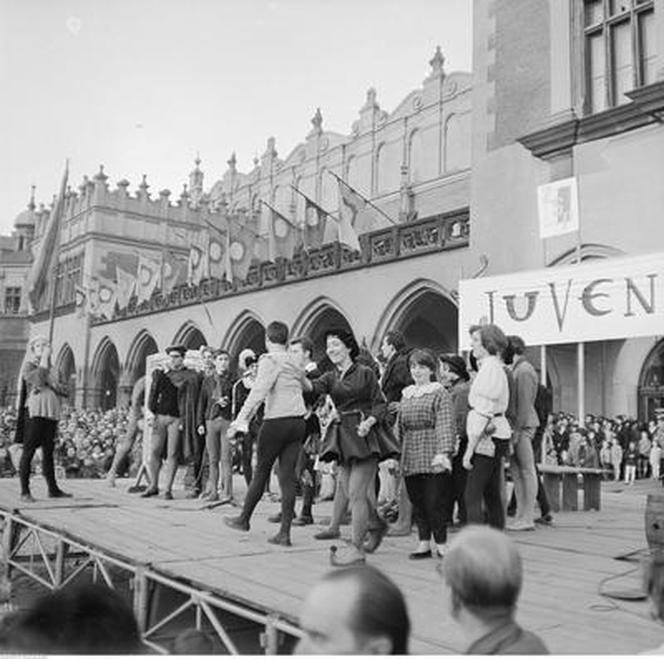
558,207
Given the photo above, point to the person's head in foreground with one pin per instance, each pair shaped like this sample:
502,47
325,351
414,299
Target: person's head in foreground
86,619
356,610
483,570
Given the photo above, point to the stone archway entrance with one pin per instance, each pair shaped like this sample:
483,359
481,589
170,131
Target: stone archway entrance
106,376
430,321
246,332
190,337
66,367
325,319
651,383
142,346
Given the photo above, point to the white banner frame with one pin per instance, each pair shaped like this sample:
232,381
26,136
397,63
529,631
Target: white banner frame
604,299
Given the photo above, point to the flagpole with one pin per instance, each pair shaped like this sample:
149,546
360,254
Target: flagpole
338,220
59,208
382,212
229,220
283,217
313,203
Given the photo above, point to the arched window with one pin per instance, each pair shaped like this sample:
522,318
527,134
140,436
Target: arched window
387,168
415,157
457,142
651,383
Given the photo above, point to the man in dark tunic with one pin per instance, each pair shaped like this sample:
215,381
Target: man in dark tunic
172,400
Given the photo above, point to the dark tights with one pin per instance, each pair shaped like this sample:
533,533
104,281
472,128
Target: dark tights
39,431
278,438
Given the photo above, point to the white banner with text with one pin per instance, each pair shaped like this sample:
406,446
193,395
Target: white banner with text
612,298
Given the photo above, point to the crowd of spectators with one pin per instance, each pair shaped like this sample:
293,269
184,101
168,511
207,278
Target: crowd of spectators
85,443
624,447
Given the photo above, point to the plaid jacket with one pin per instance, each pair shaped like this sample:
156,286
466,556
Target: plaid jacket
426,427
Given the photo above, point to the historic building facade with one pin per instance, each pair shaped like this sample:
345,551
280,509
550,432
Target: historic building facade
413,163
559,88
15,260
566,88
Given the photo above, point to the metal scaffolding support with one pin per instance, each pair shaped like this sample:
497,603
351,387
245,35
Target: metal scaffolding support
27,547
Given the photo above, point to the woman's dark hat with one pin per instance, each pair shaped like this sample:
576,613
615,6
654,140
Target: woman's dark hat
456,364
177,348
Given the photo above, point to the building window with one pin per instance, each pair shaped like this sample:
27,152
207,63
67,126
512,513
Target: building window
12,299
619,49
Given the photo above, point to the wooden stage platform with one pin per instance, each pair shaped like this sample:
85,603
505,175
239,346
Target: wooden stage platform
565,565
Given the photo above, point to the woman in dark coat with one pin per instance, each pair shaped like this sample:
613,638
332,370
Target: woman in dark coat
354,441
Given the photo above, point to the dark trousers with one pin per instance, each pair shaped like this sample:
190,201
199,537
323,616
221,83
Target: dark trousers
428,494
458,487
197,464
542,501
306,474
39,431
247,444
484,485
277,438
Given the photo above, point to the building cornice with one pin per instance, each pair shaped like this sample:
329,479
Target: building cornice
438,233
647,107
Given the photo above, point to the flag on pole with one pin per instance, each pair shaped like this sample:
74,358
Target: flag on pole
126,285
315,220
217,248
107,294
199,262
149,271
47,252
558,206
358,211
241,245
261,249
81,298
283,235
175,271
90,291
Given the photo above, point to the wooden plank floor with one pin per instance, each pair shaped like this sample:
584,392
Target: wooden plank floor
565,564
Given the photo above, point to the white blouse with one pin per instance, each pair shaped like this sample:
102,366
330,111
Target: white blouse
489,395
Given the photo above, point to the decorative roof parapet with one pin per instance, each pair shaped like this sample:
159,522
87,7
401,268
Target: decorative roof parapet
317,123
432,87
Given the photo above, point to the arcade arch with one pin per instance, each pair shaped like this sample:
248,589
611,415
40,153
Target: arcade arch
105,375
247,331
142,346
190,336
66,368
426,315
315,319
651,383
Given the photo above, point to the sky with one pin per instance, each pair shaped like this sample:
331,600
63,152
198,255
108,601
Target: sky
141,86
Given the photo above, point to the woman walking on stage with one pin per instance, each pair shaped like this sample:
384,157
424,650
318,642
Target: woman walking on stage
427,432
279,383
356,443
40,397
486,422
